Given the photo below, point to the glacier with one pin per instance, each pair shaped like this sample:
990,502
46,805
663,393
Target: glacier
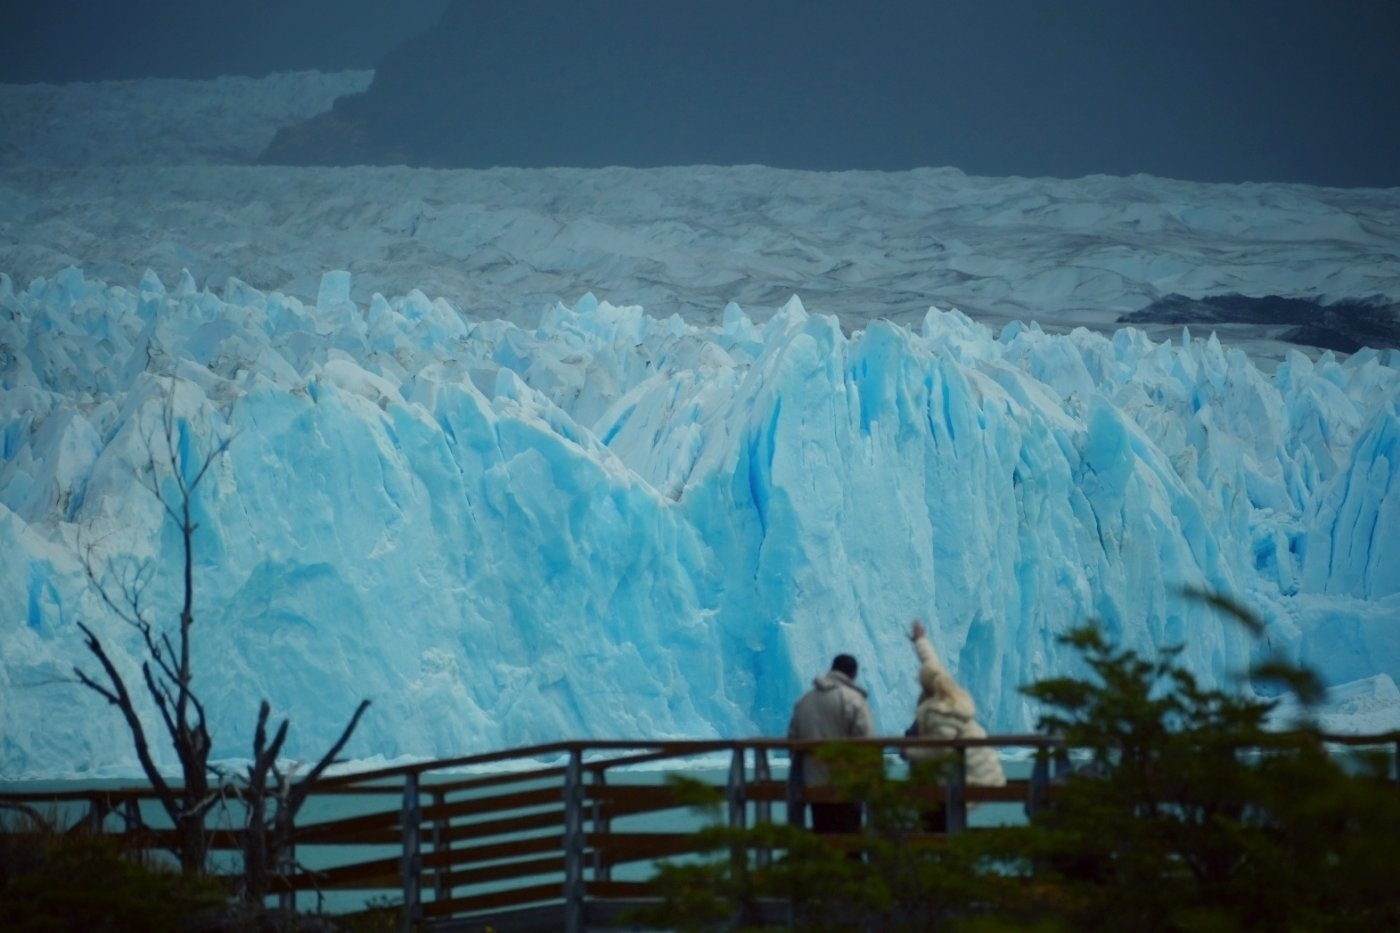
618,525
533,455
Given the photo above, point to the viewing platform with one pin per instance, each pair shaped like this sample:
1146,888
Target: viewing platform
563,836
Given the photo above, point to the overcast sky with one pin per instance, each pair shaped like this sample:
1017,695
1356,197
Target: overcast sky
1208,90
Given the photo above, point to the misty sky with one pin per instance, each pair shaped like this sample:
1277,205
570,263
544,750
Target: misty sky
1206,90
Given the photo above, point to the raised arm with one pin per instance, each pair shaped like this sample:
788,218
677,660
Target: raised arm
923,647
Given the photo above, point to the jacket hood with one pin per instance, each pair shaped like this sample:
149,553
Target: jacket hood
833,680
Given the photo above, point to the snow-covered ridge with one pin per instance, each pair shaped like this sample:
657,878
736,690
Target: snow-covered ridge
863,246
117,179
612,524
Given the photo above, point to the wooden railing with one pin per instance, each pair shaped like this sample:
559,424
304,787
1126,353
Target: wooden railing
555,836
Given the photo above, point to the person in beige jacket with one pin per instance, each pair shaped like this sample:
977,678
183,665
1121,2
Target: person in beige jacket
946,711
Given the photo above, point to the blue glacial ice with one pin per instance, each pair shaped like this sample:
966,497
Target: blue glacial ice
615,525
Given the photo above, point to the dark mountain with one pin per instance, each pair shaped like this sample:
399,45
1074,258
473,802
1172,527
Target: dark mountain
1247,91
639,83
59,41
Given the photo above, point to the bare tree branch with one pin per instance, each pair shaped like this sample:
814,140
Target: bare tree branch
158,693
266,839
93,685
329,757
168,675
166,671
130,594
121,698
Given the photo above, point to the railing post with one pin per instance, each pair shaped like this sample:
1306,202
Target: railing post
411,864
1039,794
96,815
957,796
131,815
602,826
734,792
442,878
573,843
796,798
763,814
286,865
1062,762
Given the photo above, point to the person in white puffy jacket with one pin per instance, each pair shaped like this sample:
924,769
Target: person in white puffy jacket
946,711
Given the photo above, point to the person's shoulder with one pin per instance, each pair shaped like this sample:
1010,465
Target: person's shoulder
852,689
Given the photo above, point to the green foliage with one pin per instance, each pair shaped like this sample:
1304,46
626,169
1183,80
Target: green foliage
380,915
52,881
891,877
25,840
84,883
1184,812
1192,815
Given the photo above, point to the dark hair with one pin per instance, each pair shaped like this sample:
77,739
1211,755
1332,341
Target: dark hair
845,664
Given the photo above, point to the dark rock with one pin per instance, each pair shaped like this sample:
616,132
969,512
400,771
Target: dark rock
1345,326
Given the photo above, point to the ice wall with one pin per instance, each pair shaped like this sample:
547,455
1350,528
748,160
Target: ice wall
615,525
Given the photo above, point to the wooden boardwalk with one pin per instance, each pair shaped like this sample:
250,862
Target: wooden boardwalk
550,837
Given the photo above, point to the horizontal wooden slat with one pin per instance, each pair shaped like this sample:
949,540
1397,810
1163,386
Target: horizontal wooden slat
387,836
499,851
621,890
620,848
478,782
766,791
348,827
469,816
359,789
226,839
622,761
376,873
626,799
456,833
822,795
497,803
383,827
532,755
504,871
144,838
1013,792
459,833
477,903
